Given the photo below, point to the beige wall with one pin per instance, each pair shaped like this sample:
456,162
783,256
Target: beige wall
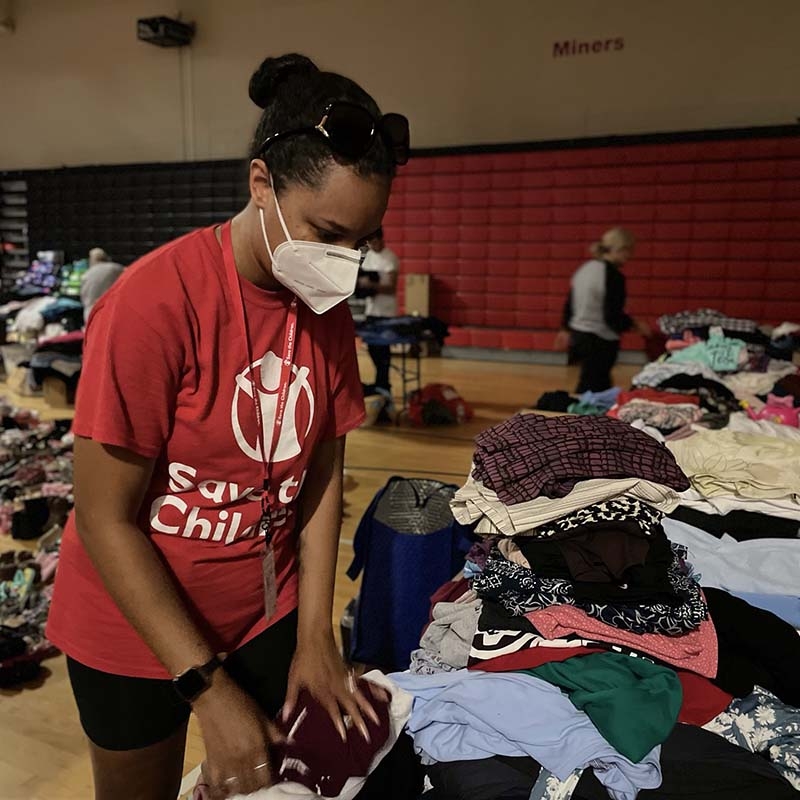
76,87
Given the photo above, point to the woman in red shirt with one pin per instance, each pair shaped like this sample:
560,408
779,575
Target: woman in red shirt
220,381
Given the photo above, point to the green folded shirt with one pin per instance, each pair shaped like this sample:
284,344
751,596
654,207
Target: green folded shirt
632,702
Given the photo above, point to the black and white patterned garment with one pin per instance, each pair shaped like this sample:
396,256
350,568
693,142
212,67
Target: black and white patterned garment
490,644
520,591
702,317
625,510
500,635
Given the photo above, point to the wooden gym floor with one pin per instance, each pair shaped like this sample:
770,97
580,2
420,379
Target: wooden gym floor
43,755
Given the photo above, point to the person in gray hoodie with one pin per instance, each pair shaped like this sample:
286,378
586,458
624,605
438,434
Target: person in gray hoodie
594,312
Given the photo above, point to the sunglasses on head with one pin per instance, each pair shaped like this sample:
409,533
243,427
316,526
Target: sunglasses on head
350,131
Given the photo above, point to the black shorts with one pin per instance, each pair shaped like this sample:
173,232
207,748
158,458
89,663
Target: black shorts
121,713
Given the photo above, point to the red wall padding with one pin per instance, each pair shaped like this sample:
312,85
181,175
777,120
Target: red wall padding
717,223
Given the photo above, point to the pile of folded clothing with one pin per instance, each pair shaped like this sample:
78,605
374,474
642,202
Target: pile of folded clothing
745,479
714,366
723,394
666,411
588,403
47,316
725,343
58,357
727,364
579,657
531,470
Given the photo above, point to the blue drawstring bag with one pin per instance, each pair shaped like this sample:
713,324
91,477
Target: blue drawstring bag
407,545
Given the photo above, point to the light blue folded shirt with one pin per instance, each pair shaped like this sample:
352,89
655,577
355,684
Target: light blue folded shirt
760,566
787,607
604,399
464,716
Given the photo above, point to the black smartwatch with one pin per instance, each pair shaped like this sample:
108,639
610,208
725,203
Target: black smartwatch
191,683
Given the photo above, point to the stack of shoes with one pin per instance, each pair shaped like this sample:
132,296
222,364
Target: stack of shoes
26,584
35,499
35,473
578,653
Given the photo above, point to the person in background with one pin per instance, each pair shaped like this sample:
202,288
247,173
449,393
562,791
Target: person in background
220,381
379,280
102,274
594,313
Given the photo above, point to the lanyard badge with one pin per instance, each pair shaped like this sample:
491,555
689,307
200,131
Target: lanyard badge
268,496
267,449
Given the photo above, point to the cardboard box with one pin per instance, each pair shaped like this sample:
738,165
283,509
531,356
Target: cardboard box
418,295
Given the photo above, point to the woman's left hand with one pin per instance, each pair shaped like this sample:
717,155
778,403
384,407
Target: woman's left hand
318,667
562,340
643,328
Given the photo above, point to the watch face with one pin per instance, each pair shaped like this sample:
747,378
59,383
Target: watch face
190,684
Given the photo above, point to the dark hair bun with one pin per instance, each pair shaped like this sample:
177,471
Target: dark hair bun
273,72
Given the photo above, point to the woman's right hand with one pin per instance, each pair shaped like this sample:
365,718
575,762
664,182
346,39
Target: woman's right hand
237,737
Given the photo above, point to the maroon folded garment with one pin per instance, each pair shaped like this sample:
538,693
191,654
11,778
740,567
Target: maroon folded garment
448,593
530,455
314,754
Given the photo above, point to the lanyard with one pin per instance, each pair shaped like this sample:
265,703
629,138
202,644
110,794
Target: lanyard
268,499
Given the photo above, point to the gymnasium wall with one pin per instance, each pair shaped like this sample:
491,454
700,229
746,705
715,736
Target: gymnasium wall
76,87
501,231
718,225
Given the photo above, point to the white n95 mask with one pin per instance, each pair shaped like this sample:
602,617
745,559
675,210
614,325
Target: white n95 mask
321,275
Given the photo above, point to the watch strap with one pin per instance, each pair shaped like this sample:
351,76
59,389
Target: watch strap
210,667
192,682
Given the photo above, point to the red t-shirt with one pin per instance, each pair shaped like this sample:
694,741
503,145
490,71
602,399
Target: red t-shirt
166,376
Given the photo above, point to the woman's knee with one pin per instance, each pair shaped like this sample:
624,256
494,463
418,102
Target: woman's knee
149,773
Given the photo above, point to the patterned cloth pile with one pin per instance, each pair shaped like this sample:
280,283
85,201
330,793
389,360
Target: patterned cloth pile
577,656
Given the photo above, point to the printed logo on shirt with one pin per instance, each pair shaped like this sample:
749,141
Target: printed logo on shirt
196,507
213,508
265,373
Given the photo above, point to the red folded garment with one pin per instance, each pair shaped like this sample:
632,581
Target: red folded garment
702,700
656,396
314,754
533,657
